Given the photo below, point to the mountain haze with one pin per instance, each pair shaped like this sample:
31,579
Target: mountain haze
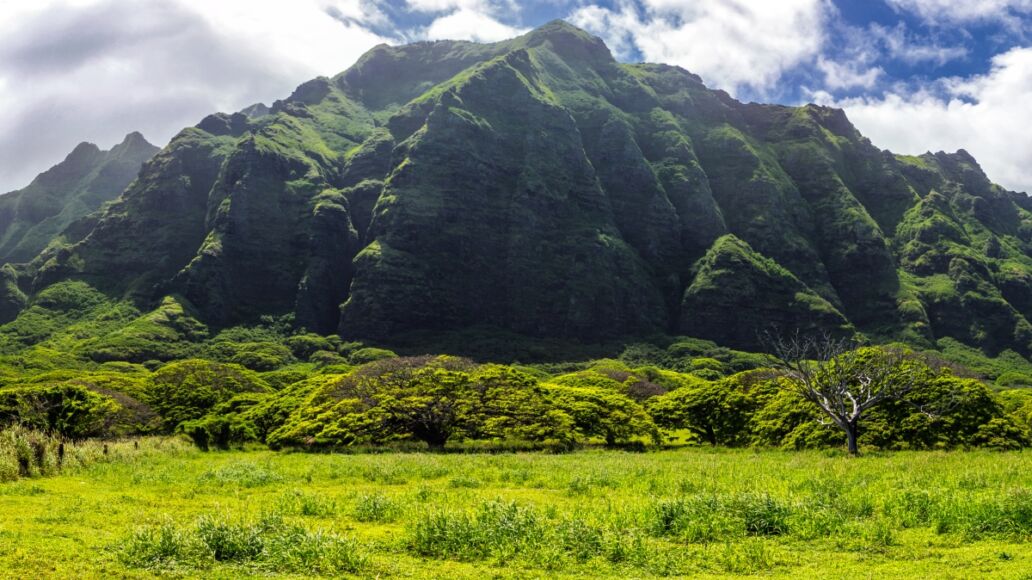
539,186
88,177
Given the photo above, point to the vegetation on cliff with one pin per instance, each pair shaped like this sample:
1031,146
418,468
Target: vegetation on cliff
537,186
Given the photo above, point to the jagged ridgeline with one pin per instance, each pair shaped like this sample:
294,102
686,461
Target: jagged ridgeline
539,186
53,206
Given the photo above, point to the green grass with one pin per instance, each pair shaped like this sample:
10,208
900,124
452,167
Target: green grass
690,512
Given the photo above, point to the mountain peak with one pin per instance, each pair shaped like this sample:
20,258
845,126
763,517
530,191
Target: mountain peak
132,144
256,111
134,139
82,151
559,27
569,41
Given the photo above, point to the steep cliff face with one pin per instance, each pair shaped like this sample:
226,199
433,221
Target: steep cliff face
493,214
738,295
32,217
539,186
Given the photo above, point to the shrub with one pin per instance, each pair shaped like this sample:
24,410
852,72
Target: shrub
1013,379
68,409
305,345
26,453
219,430
507,532
281,378
257,356
325,358
613,417
163,546
370,354
230,541
999,433
376,508
495,528
719,413
240,473
186,390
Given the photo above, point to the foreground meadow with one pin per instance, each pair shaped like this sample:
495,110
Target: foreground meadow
690,512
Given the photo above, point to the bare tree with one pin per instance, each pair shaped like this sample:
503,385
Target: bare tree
841,380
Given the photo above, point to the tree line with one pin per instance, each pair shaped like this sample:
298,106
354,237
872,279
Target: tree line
814,392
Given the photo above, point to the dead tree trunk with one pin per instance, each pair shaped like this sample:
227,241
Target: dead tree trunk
852,432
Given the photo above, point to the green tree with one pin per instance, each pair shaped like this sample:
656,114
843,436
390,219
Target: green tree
67,409
433,400
846,384
718,412
226,424
603,413
189,389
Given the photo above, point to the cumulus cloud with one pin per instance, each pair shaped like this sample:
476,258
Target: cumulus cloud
470,25
984,114
731,44
847,76
476,20
74,70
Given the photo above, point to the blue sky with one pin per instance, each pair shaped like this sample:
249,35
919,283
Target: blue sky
913,75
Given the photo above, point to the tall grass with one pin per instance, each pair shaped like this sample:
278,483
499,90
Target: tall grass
267,543
26,453
505,531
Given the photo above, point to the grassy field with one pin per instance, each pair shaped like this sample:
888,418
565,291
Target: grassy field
692,512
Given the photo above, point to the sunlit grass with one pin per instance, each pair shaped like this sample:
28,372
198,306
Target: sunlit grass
691,512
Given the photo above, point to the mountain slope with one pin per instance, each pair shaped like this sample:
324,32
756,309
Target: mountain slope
31,217
539,186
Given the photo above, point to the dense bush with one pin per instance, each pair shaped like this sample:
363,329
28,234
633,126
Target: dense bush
718,413
306,344
224,425
369,354
433,400
189,389
67,409
604,414
258,356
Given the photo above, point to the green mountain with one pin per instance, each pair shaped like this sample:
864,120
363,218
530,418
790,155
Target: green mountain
31,217
539,187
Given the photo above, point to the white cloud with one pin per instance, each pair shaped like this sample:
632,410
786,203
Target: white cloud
959,11
74,70
470,25
984,114
476,20
618,28
732,44
847,76
900,46
448,5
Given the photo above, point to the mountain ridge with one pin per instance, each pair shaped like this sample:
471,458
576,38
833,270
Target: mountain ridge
539,186
78,185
